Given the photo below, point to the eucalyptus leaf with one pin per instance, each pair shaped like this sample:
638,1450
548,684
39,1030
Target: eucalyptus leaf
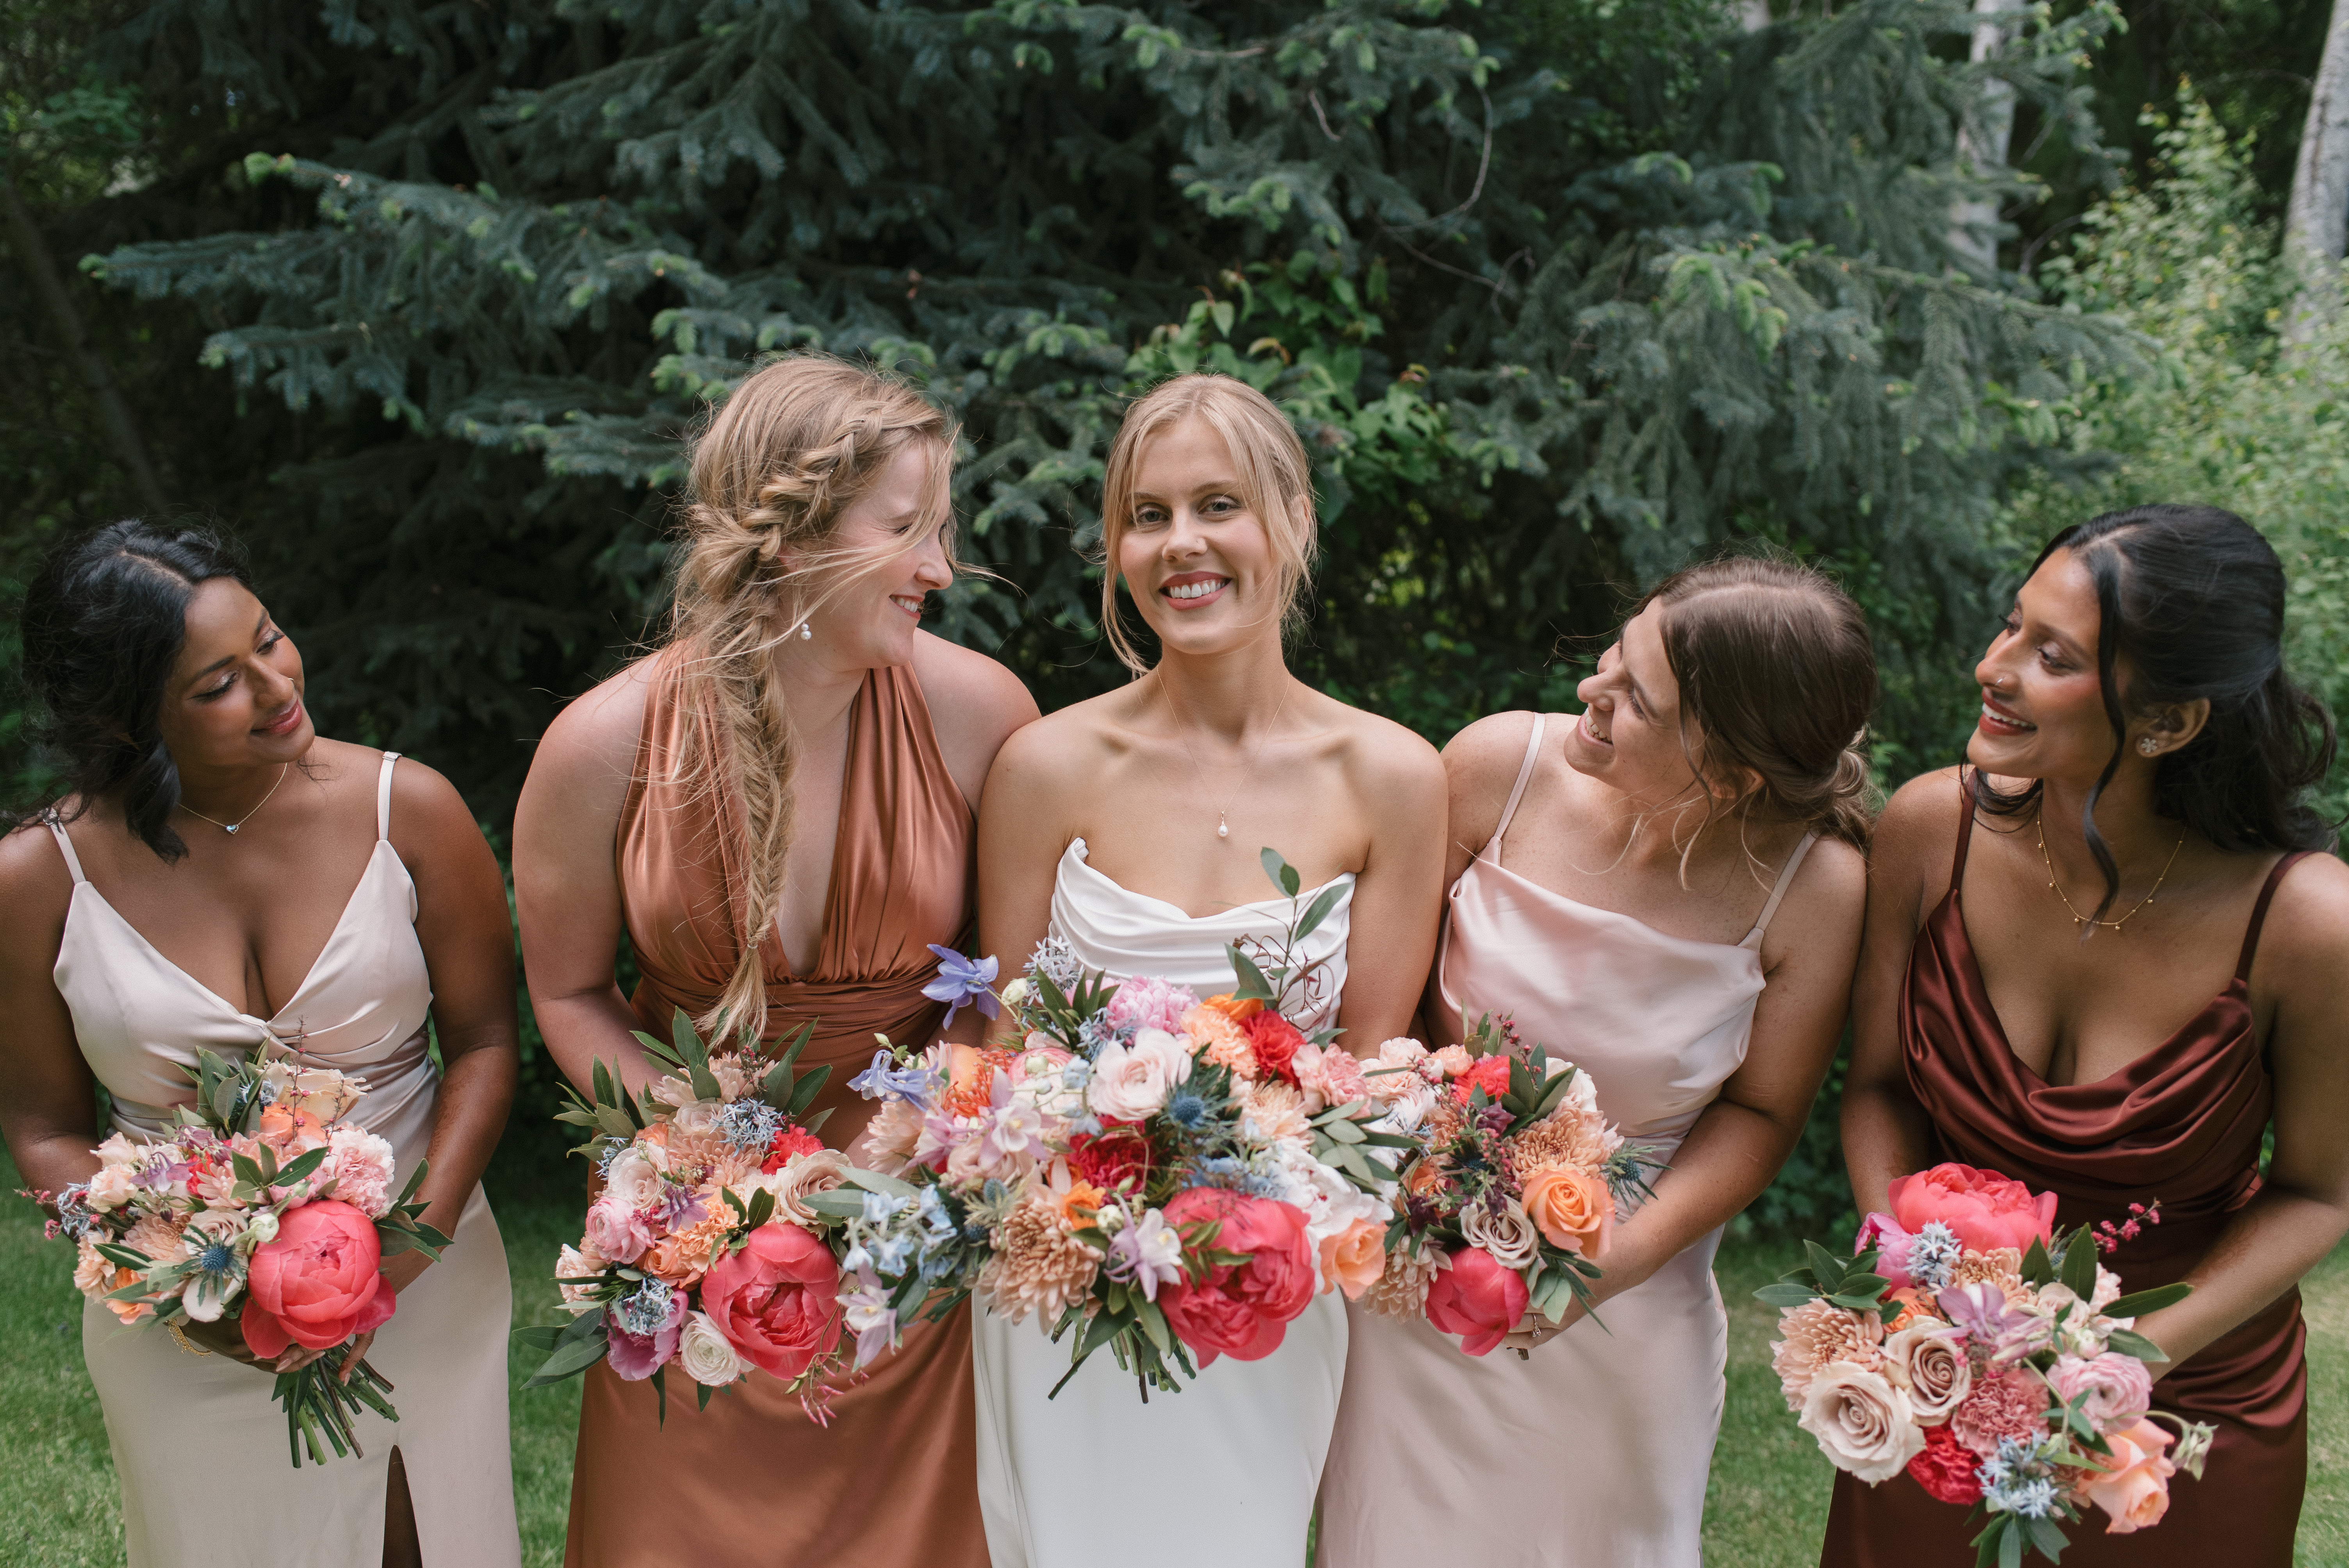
1316,912
2138,1303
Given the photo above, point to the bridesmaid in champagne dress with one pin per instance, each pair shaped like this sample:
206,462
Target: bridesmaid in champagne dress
1683,930
190,894
1129,827
777,808
2028,1005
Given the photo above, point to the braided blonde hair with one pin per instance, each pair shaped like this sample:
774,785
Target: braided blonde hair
794,447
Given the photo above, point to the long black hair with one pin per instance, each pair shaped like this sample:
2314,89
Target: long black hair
103,624
2192,597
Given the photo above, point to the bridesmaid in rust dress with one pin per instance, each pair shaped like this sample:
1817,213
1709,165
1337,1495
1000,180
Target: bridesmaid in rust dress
2103,961
778,807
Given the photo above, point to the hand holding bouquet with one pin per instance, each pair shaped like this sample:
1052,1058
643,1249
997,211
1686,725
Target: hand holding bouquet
1510,1195
1171,1176
718,1242
1993,1361
265,1210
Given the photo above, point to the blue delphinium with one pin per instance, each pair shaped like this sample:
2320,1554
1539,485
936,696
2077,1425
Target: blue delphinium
1933,1256
884,1079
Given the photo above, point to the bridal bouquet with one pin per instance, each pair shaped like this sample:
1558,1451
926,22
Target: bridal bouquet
1970,1345
1511,1193
1169,1175
264,1206
721,1241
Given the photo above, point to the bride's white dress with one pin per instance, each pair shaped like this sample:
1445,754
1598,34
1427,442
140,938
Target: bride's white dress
1225,1471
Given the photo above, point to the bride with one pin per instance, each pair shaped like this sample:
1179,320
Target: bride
1130,827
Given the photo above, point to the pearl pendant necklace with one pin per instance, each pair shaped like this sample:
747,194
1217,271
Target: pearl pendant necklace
1223,810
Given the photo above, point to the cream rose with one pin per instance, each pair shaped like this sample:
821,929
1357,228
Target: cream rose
110,1189
1505,1234
1133,1081
805,1176
1928,1362
632,1181
1862,1422
704,1354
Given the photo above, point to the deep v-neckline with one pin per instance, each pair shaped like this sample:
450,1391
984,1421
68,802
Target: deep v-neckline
341,921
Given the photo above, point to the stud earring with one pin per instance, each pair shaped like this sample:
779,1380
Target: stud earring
804,633
2147,746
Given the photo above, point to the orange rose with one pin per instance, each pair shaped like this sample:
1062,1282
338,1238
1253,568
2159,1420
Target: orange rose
2133,1485
1354,1258
288,1126
1906,1308
1233,1008
1574,1211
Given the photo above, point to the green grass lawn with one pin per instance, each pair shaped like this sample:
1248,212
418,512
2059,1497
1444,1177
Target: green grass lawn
1767,1507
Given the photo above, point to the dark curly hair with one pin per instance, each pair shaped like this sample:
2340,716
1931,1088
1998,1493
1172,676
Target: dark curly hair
2192,597
103,626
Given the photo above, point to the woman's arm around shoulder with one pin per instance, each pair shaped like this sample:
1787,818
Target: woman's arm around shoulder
1399,892
1884,1133
48,1108
975,706
566,877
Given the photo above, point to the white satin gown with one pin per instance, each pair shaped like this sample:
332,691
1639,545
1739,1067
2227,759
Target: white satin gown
1593,1452
1225,1471
198,1445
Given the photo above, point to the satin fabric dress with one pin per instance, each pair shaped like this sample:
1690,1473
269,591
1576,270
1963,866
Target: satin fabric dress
751,1479
198,1445
1228,1468
2182,1124
1593,1452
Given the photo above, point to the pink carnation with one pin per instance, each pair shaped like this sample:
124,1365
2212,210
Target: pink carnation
360,1163
1332,1072
2011,1405
1149,1004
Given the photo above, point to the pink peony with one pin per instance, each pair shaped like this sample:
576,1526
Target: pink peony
319,1284
1985,1209
616,1231
777,1300
1242,1311
1150,1004
1477,1299
1883,1233
2011,1405
2119,1388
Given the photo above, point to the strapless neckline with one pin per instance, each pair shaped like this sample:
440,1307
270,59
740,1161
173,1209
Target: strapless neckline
1077,853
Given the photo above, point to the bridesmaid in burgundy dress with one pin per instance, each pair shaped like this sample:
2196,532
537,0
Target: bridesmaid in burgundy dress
2103,961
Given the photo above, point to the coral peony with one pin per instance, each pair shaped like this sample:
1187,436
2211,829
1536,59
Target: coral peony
1240,1310
1354,1258
1986,1210
1275,1041
2132,1486
1477,1299
1575,1210
1946,1469
777,1300
318,1284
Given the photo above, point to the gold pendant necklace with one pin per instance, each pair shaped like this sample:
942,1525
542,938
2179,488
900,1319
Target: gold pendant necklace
1223,811
230,828
2040,825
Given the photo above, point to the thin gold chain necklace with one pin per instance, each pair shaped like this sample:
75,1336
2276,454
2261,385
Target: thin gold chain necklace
2079,919
1223,810
230,828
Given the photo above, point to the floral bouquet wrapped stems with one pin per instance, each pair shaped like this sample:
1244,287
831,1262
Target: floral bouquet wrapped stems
1168,1176
1991,1358
723,1239
265,1207
1510,1194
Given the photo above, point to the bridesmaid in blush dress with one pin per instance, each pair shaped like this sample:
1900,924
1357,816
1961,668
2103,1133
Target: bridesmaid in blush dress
1130,826
223,878
1667,894
777,808
2105,962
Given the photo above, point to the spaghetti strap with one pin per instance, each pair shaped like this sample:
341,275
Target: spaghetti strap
1786,880
65,845
383,797
1965,832
1517,792
2260,912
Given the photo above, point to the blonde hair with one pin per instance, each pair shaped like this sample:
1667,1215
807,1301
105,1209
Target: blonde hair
794,447
1274,480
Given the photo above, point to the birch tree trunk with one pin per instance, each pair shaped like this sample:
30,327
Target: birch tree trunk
1982,142
2317,221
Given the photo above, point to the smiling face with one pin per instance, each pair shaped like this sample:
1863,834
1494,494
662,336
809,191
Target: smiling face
2042,710
888,550
233,699
1193,552
1630,735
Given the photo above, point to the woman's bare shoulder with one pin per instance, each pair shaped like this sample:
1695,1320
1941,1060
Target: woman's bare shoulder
603,723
